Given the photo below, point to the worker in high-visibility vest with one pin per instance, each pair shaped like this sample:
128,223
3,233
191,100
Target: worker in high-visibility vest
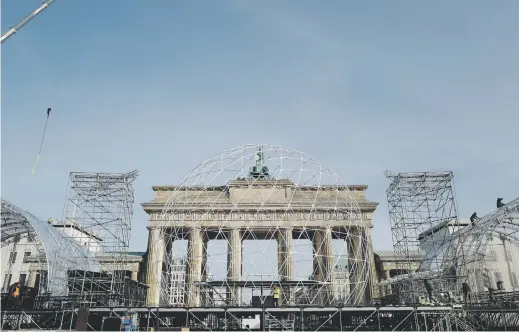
276,293
16,292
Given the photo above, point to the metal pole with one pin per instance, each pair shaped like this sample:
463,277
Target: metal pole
26,20
510,274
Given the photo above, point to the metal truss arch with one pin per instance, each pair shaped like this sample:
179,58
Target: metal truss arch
16,223
473,240
245,197
48,242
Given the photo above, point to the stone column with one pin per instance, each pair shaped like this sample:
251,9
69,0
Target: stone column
166,273
134,275
323,264
317,258
194,266
372,272
388,286
356,266
205,271
285,262
32,279
154,262
234,265
328,265
205,243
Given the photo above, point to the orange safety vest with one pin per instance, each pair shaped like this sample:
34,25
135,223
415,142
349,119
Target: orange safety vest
16,291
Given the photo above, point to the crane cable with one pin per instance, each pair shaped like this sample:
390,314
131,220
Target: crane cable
41,143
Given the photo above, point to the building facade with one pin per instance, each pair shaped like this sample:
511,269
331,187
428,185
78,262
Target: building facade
19,263
22,260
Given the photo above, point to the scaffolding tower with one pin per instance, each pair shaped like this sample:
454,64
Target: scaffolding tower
424,218
175,281
97,217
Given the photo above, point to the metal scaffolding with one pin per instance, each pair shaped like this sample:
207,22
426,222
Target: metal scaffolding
35,247
97,217
424,218
443,318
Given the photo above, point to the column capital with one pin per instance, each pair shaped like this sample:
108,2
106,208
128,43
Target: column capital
320,228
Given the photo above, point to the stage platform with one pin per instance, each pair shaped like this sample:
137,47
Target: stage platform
387,318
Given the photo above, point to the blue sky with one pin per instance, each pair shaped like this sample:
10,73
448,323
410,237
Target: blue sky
363,86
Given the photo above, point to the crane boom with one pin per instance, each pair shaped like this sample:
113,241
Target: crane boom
25,20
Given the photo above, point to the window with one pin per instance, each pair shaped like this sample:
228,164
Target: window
490,257
23,279
7,281
37,281
515,282
12,257
26,254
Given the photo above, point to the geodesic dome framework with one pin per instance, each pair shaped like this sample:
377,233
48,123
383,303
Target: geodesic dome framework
47,242
259,220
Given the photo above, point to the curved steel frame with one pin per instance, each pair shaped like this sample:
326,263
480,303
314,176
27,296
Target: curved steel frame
49,242
472,242
503,221
16,222
462,253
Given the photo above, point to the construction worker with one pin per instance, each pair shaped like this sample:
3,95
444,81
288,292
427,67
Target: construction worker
500,202
473,218
276,293
16,292
49,220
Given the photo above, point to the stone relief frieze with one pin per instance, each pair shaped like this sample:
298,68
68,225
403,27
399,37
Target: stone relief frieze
258,216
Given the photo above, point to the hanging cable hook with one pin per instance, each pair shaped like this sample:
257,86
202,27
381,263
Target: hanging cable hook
41,143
